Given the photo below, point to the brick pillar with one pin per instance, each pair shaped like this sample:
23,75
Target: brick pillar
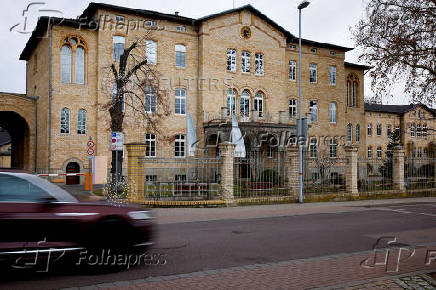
292,168
136,168
227,152
398,168
351,170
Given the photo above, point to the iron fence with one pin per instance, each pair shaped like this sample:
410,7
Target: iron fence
179,178
419,173
260,174
324,175
375,174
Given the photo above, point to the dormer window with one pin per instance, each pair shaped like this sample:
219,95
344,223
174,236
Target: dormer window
181,28
150,23
119,18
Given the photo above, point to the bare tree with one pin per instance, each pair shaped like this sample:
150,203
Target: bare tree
324,165
398,38
132,86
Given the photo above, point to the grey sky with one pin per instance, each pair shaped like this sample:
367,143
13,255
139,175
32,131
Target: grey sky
324,21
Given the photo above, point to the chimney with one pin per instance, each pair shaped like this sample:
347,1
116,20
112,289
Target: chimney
176,13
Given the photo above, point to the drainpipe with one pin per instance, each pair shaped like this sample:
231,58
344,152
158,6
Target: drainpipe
50,91
197,29
35,151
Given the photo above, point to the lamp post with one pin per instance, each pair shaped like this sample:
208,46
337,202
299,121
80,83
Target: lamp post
300,7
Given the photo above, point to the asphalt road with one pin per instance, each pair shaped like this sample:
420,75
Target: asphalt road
197,246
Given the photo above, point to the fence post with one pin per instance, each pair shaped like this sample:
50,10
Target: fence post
135,170
351,170
292,169
227,152
398,168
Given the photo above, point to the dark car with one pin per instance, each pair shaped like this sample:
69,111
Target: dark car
37,216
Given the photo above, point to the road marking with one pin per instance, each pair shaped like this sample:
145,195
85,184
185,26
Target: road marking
408,212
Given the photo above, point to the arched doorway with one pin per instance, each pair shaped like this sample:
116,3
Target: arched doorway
18,130
72,167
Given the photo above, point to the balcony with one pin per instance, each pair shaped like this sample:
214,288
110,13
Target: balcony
254,116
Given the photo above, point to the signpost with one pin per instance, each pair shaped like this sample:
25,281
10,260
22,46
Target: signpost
117,144
90,152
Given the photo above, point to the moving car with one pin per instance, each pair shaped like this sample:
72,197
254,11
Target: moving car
37,216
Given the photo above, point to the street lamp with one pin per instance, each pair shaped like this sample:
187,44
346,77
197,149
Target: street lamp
300,7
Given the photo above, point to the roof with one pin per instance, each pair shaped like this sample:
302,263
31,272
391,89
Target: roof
358,66
394,109
89,12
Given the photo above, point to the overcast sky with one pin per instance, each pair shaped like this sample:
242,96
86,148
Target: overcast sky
324,21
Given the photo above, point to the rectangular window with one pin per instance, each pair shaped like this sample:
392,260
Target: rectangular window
118,44
150,100
150,23
179,146
292,109
389,130
180,55
119,18
150,145
270,153
180,177
333,148
419,152
150,179
379,152
292,70
231,60
379,129
151,51
424,130
245,62
258,64
313,110
181,28
369,152
313,148
180,102
332,74
418,130
397,130
312,72
369,129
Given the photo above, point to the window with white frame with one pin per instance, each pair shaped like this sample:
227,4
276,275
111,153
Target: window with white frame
181,28
119,18
388,130
79,65
65,121
379,129
292,70
179,146
66,54
333,148
357,133
270,152
313,72
332,75
419,152
369,129
350,133
425,153
369,152
244,104
231,60
245,62
150,23
81,122
379,152
231,102
397,130
313,111
258,63
412,130
424,130
150,104
180,177
150,145
118,45
332,112
418,130
292,108
180,55
151,51
258,103
313,148
180,101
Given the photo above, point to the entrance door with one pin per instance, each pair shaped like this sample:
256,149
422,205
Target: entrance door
73,167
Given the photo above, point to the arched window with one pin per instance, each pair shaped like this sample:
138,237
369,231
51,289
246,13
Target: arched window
354,94
180,55
258,103
244,104
81,122
332,112
231,99
357,133
79,66
66,53
350,133
352,91
348,93
65,121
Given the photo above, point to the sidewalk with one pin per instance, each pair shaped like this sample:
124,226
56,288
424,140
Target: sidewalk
179,215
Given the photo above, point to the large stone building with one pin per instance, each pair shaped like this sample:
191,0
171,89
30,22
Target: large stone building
240,61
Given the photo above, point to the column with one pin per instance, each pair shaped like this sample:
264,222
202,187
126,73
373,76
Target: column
227,151
136,169
398,168
351,176
292,169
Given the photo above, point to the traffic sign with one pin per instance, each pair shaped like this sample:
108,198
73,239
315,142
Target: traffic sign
117,141
90,145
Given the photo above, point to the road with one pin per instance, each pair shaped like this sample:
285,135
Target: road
247,236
